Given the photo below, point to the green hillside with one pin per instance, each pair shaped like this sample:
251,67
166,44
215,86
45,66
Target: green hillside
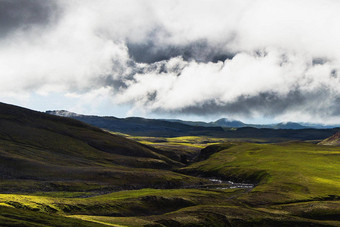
284,172
40,151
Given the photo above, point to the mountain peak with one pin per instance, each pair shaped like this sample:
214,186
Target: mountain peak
225,122
289,125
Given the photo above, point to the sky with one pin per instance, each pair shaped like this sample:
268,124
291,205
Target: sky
259,61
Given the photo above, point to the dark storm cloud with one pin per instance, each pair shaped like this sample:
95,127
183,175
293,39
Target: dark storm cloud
22,14
269,104
199,51
334,73
335,111
319,61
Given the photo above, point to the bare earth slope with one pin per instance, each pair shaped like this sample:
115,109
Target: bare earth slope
333,140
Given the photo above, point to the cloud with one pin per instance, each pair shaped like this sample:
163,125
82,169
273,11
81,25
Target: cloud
23,14
271,84
67,55
277,59
199,51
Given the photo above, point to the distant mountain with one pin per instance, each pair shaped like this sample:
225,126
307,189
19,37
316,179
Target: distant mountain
333,140
225,122
222,128
192,123
289,125
142,126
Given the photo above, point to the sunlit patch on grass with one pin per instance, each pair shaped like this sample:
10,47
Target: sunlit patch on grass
335,182
114,221
6,205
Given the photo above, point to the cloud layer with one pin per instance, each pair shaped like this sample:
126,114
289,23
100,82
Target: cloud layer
275,59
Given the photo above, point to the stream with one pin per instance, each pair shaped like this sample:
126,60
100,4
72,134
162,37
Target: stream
220,184
229,184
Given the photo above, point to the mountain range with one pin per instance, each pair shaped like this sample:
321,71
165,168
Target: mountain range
222,122
221,128
228,123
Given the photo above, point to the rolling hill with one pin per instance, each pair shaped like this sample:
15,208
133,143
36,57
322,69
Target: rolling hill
46,152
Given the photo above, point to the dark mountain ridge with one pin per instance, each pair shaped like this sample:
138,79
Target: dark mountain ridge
228,123
142,126
173,128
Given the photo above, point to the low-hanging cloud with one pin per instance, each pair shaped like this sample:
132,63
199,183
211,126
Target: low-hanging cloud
277,59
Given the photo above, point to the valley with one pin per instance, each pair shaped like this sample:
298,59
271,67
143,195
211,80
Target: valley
57,171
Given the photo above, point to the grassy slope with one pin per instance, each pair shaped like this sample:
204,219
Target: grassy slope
44,152
177,147
290,193
153,206
294,179
289,171
174,207
187,146
10,216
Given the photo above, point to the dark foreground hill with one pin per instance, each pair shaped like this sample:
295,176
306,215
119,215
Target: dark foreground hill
41,151
164,128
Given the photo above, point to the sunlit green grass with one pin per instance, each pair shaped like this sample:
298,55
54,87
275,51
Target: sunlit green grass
291,171
22,217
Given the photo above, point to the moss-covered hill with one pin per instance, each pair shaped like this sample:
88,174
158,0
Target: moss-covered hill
283,172
41,151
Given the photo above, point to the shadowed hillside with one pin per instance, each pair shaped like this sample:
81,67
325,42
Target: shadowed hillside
57,153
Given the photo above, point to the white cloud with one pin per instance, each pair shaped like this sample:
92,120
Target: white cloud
244,75
67,56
